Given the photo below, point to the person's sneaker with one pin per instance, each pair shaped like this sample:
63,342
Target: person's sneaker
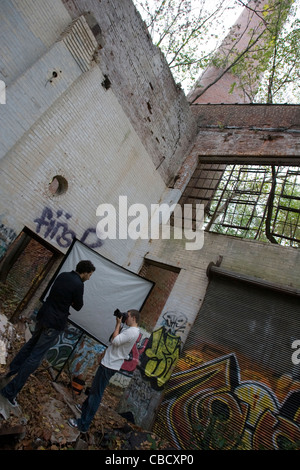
73,423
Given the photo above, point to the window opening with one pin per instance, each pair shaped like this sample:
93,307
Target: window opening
257,202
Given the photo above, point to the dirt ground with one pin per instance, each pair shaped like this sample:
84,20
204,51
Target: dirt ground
46,404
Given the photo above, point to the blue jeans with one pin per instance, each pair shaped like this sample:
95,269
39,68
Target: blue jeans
92,402
28,359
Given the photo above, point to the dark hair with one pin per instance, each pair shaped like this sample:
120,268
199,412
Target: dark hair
85,266
135,314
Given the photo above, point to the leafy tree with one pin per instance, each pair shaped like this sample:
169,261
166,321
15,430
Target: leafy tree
189,33
269,68
281,79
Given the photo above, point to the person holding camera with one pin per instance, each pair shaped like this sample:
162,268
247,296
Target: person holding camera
66,291
121,343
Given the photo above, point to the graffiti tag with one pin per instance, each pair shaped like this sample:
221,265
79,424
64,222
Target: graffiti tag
56,227
160,356
174,322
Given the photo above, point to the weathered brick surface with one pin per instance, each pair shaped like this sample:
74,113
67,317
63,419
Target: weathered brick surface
277,116
76,128
95,148
164,280
240,133
142,82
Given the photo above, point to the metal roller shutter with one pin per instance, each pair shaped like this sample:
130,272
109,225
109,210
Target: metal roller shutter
237,383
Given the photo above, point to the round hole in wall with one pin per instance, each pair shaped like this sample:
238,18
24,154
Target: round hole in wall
58,185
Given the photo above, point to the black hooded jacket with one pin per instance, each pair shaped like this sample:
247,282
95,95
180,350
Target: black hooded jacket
66,291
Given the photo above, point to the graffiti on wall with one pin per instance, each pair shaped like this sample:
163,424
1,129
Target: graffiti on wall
82,353
163,349
85,357
209,407
59,353
54,225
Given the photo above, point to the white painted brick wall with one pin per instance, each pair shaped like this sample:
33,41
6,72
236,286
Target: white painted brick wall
37,89
85,137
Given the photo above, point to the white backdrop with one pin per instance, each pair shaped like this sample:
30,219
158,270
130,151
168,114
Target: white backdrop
110,287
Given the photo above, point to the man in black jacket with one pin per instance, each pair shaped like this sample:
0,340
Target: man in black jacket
66,291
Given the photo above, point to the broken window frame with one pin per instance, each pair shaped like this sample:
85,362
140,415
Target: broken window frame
235,191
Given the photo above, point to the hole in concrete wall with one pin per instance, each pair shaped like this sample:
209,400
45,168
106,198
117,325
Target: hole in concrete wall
58,185
54,76
106,83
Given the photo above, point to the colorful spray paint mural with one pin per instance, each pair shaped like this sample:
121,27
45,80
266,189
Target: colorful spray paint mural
63,348
236,384
163,350
214,405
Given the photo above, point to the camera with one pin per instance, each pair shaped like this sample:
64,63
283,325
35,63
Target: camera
122,315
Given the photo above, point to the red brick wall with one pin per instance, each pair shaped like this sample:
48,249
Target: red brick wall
164,281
